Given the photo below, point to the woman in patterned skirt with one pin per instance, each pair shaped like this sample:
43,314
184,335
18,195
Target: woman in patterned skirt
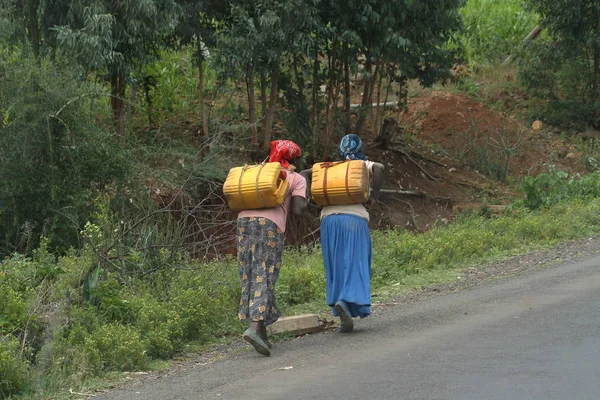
260,240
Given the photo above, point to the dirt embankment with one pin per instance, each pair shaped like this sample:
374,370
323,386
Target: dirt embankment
435,168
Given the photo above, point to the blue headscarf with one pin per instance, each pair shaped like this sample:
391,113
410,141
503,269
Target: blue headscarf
351,148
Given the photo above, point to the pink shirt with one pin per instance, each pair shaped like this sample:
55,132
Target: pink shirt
279,214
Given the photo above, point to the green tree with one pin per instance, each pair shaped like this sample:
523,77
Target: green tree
31,23
265,37
114,38
400,39
199,25
574,26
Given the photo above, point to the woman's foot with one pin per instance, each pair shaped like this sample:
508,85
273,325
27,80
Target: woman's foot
252,337
347,324
262,332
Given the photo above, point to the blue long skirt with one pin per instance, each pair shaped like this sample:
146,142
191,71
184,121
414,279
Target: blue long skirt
346,246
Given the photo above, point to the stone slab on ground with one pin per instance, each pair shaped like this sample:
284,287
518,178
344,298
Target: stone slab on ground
298,324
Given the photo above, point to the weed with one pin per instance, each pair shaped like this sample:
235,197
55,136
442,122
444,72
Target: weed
489,154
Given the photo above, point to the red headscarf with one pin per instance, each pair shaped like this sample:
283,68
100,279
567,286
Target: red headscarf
284,151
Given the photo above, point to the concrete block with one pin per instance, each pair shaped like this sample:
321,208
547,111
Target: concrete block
297,324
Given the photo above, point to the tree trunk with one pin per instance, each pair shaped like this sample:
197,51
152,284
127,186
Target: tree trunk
596,84
148,82
268,119
347,93
385,100
373,80
362,112
315,99
203,111
117,102
379,111
331,118
263,94
331,101
132,97
33,28
596,78
251,104
532,35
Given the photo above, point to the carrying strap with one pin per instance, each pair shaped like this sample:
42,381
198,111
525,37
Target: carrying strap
244,168
256,184
347,182
326,166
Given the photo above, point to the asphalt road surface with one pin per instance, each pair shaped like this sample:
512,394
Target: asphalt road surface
532,336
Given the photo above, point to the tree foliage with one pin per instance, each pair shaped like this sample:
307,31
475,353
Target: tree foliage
304,45
52,154
570,75
117,37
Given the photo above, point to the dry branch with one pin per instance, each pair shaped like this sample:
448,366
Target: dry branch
473,186
415,193
405,154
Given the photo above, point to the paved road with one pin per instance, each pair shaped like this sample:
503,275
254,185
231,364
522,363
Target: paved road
533,336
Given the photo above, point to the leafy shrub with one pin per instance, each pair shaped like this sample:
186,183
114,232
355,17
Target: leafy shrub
53,151
13,308
547,189
115,347
113,305
160,326
560,84
14,373
300,282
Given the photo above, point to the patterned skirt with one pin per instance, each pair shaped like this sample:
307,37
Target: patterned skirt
260,250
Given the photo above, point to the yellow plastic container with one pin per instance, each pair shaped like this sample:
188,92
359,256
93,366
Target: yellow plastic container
256,186
344,182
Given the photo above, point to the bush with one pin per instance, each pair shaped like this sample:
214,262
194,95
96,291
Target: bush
560,85
115,347
301,280
160,326
54,152
14,374
547,189
133,318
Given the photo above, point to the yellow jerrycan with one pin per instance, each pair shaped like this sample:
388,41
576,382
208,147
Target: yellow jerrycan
340,183
255,186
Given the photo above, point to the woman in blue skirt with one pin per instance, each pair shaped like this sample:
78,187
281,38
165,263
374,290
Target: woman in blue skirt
346,244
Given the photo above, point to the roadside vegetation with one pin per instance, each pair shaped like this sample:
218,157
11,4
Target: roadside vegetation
119,122
66,327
